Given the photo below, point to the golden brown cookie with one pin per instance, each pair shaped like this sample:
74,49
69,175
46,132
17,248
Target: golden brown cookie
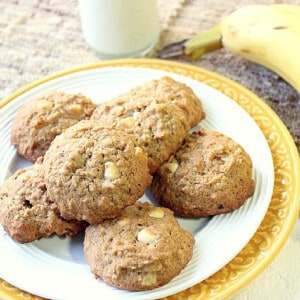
93,172
27,213
142,249
210,174
158,128
163,90
39,121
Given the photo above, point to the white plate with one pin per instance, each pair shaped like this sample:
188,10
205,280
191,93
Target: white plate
55,268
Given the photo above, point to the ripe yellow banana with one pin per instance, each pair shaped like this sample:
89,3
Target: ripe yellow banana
265,34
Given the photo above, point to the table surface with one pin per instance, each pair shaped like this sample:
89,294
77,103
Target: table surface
41,37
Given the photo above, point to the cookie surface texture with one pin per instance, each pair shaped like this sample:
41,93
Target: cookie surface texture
27,213
163,90
40,120
93,172
210,174
158,128
142,249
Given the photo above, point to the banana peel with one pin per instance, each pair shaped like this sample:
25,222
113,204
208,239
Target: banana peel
268,35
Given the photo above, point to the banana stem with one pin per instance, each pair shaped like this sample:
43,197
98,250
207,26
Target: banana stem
204,42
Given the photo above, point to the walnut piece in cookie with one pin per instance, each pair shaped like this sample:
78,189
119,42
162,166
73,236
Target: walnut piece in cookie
27,213
40,120
93,172
143,248
209,174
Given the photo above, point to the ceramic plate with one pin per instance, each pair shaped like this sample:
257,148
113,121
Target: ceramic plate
55,268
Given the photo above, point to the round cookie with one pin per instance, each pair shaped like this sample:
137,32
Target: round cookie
38,121
93,172
141,249
27,213
164,90
158,128
210,174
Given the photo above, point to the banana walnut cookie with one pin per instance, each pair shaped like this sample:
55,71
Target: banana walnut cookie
93,172
143,248
159,113
26,211
40,120
163,90
209,174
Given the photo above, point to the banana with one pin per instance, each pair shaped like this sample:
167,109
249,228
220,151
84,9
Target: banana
268,35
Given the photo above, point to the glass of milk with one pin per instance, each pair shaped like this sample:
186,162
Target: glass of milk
120,28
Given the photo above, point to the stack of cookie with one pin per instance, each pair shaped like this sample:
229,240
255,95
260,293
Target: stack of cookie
92,164
26,211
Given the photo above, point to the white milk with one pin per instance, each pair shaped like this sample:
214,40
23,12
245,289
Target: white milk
120,28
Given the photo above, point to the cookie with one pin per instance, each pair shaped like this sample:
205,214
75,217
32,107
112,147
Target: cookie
40,120
164,90
158,128
141,249
210,174
27,213
93,172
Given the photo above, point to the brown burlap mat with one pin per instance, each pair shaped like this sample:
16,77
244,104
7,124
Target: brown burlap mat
40,37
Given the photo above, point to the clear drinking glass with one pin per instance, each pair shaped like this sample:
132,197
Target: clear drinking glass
120,28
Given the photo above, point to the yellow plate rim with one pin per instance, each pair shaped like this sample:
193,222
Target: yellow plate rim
283,211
